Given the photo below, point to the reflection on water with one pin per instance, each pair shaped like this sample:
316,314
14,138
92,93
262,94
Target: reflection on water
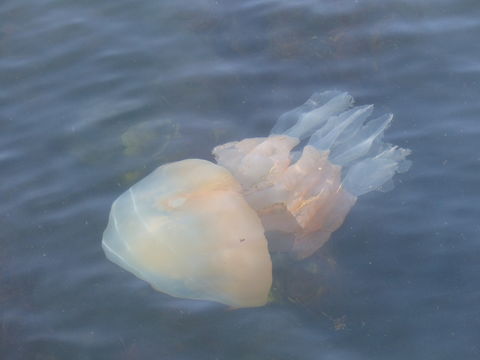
94,96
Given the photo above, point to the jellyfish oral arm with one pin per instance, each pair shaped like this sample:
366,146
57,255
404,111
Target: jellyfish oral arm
310,196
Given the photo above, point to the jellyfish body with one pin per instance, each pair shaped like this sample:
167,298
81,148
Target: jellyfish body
196,230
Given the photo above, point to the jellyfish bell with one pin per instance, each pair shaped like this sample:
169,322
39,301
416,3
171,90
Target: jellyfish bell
187,230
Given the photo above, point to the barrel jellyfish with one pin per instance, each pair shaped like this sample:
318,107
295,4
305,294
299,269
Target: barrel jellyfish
194,229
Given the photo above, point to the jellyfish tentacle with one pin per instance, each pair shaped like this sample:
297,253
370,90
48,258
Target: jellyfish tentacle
371,173
360,144
306,119
325,137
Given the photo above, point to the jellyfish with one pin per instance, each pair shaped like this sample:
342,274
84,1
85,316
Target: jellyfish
195,229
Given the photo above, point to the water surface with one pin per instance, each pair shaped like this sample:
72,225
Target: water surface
93,96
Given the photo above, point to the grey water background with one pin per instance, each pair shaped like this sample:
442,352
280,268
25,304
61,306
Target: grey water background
94,95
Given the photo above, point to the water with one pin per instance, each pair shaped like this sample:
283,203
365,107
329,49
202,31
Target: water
94,96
